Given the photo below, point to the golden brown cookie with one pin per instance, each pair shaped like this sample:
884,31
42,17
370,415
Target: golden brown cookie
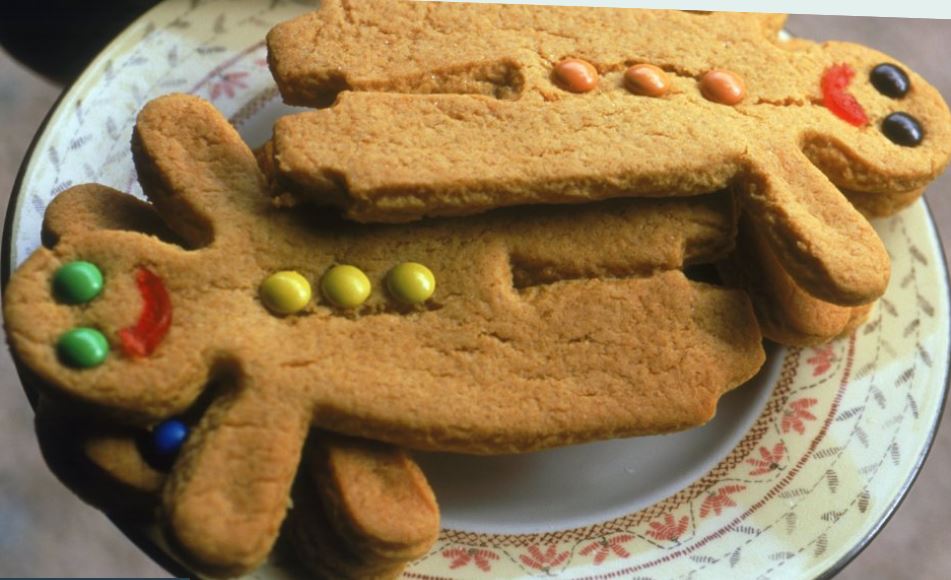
877,205
786,313
462,112
375,512
546,328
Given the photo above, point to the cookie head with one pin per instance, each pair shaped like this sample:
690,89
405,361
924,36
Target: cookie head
100,312
886,129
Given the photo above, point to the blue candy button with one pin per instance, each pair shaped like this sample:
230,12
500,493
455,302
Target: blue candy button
168,437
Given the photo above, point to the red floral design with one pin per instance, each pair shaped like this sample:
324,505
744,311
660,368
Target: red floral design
822,359
462,556
604,546
227,85
769,460
798,412
668,530
719,499
546,560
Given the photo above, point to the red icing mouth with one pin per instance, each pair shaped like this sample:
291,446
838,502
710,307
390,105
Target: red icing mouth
154,320
836,98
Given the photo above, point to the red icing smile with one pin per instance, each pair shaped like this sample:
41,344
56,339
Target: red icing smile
835,81
156,316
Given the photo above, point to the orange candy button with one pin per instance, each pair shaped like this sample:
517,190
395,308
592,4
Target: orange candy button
722,86
647,80
576,75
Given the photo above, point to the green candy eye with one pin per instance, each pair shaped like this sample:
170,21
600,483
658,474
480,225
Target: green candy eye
77,282
82,348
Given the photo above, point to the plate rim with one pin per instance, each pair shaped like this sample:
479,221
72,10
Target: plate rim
152,549
922,458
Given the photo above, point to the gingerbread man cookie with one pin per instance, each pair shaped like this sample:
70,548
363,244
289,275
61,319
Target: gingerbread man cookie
512,331
467,109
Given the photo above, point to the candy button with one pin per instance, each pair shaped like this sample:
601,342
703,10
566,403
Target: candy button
890,80
82,348
285,292
345,286
903,129
647,80
411,283
168,437
576,75
77,282
155,318
722,86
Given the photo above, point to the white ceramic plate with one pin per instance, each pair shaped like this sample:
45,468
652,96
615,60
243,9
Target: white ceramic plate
798,471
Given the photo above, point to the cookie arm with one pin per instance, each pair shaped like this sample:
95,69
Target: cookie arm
97,207
229,490
98,461
195,168
825,244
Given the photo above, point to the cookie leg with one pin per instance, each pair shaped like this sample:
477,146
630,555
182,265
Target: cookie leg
827,247
785,312
374,513
228,492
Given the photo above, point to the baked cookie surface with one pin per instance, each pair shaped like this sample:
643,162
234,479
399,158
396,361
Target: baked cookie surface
525,343
468,110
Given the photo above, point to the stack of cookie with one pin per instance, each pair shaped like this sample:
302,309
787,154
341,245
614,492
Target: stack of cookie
476,242
514,330
473,107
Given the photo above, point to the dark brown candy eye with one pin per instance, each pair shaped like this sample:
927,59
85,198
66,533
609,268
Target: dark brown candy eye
890,80
903,129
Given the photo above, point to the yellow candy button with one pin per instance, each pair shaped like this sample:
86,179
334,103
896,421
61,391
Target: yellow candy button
411,283
345,286
285,292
